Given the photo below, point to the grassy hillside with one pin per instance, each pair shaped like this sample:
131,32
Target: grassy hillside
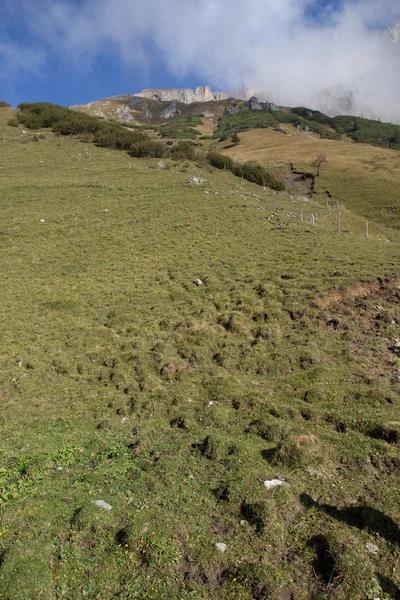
363,178
123,381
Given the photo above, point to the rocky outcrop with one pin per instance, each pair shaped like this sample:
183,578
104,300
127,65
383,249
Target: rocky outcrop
184,95
142,106
170,111
252,104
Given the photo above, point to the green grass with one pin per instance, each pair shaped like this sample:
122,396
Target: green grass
122,381
360,177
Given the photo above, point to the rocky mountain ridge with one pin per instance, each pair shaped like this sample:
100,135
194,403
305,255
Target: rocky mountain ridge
200,94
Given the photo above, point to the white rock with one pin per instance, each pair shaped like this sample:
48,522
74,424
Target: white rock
102,504
197,282
273,483
372,548
42,221
160,164
210,403
105,210
220,547
23,131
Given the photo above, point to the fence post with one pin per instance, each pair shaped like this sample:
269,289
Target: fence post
338,221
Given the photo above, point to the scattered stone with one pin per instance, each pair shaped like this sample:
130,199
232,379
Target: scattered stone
102,504
220,547
42,221
372,548
210,403
273,483
196,180
105,210
23,131
161,164
197,282
285,594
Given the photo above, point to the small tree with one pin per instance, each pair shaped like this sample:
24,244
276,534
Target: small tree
235,139
321,161
4,104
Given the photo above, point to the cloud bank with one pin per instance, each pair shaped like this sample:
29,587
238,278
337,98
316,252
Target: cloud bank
292,51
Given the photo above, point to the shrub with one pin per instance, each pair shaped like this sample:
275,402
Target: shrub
106,134
219,161
250,171
4,104
13,122
183,150
148,149
258,174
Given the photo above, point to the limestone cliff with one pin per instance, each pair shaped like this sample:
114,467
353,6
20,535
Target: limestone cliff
200,94
184,95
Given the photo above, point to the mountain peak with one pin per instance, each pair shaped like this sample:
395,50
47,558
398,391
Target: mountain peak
184,95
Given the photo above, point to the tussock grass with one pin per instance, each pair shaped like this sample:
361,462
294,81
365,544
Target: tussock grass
122,381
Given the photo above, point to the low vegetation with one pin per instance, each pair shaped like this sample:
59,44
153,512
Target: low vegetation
250,171
367,131
103,133
359,177
181,128
173,403
246,120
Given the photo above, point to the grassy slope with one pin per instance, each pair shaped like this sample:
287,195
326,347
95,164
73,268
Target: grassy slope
362,177
110,357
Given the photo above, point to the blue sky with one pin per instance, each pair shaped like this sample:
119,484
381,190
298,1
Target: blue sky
75,51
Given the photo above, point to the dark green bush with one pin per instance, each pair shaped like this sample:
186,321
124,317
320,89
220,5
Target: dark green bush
259,175
367,131
4,104
148,149
13,122
181,128
250,171
106,134
183,151
218,160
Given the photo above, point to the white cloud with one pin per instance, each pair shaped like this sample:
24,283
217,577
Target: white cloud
16,59
227,42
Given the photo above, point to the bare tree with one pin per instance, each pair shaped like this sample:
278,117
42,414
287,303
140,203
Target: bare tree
321,161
